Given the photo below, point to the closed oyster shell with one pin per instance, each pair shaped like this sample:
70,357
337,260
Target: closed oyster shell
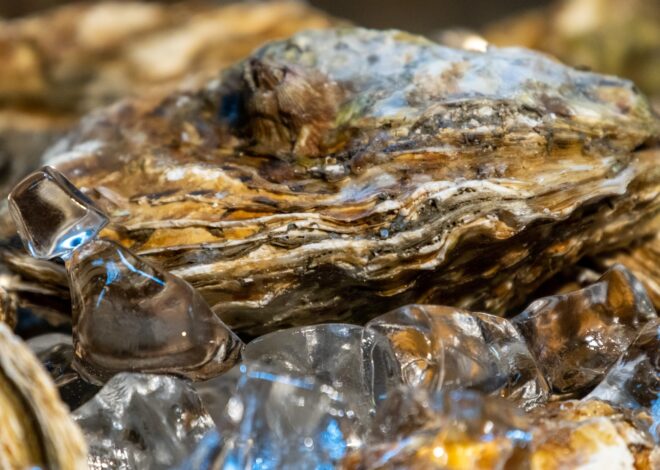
35,427
342,173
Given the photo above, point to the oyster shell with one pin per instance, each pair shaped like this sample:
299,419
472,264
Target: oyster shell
590,434
35,427
62,63
469,431
457,430
343,173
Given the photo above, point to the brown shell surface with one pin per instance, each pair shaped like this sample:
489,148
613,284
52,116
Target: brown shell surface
342,173
7,308
36,429
565,435
591,434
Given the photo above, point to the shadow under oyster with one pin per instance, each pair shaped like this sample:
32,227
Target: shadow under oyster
342,173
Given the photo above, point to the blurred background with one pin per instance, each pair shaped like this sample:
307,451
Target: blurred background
421,16
619,37
425,16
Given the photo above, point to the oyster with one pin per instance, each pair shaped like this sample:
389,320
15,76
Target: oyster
35,427
342,173
67,61
590,434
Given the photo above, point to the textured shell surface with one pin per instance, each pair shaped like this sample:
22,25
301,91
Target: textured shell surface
341,173
592,434
36,430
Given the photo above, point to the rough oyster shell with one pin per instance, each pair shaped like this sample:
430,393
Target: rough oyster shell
346,172
590,434
59,64
35,427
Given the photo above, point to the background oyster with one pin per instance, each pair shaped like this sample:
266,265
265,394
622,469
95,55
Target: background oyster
611,36
341,173
60,64
36,430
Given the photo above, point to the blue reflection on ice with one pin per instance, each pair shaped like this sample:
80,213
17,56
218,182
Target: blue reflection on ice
138,271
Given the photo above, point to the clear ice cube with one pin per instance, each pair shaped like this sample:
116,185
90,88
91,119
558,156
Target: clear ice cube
129,315
358,363
140,421
55,351
52,216
634,380
275,420
576,337
446,348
